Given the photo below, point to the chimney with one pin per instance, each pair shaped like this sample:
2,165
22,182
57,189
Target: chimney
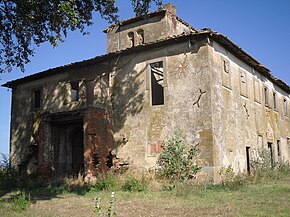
170,8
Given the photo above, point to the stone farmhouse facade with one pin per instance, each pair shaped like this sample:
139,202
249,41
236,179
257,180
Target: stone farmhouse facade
160,76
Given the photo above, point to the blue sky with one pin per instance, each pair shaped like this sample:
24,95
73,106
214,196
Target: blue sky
260,27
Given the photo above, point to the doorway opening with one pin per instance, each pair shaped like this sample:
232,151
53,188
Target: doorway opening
68,147
270,147
248,160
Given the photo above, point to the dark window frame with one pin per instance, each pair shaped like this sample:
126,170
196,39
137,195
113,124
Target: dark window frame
37,99
285,105
75,91
157,85
266,96
275,100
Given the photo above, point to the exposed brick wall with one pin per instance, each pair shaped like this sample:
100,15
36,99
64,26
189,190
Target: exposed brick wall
98,140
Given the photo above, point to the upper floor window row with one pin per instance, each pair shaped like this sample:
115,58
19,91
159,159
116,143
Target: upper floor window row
136,38
259,96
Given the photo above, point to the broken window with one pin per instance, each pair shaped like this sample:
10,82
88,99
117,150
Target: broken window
266,94
36,99
285,106
140,36
243,84
157,83
131,39
75,90
275,100
226,77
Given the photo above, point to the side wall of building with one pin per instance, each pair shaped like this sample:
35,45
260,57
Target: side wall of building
245,118
41,138
142,128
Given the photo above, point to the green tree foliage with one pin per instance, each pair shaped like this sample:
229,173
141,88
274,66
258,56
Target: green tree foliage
176,161
24,23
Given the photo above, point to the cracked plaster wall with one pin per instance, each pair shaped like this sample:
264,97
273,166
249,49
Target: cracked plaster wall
239,120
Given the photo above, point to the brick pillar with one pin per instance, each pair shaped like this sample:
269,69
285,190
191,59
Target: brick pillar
43,144
98,141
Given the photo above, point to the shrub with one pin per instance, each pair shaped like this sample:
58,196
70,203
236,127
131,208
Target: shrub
263,168
133,184
106,182
230,180
21,201
176,162
6,174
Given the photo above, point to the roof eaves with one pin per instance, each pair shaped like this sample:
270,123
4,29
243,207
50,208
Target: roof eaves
134,19
241,54
97,59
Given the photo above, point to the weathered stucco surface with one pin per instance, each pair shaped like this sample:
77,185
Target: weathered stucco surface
100,115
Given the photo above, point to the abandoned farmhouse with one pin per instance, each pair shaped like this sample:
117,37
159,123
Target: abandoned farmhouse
160,76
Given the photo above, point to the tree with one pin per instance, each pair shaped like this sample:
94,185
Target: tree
24,23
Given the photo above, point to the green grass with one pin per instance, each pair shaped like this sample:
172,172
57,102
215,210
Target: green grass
266,198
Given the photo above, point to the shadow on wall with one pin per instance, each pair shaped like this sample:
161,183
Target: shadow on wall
127,95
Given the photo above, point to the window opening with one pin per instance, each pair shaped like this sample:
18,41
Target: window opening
140,34
226,76
286,106
270,147
157,83
109,162
278,148
266,92
274,100
257,90
248,160
75,91
37,99
90,92
243,84
131,39
226,66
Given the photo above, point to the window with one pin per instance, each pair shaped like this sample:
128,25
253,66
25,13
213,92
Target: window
275,100
270,148
248,160
278,148
266,94
243,84
226,78
131,39
285,106
36,99
74,91
257,90
157,83
140,36
90,85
